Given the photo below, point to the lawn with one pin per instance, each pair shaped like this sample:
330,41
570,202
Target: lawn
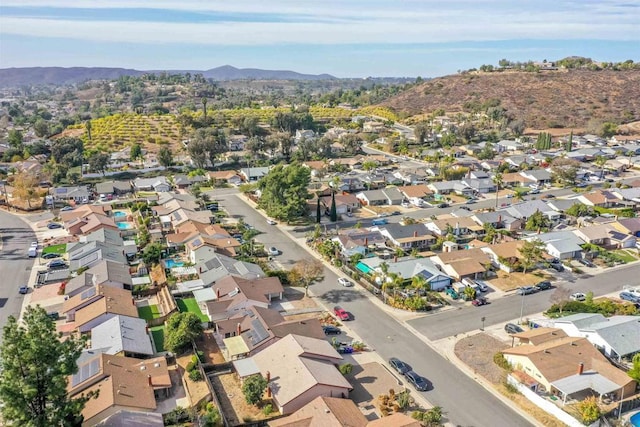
158,337
190,305
625,255
56,249
148,312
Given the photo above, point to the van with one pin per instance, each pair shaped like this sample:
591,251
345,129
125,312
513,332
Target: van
379,221
33,252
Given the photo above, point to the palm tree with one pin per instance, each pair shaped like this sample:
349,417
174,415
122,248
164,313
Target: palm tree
204,108
497,180
600,161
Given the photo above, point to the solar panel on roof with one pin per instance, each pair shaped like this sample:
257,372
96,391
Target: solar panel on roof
85,372
258,332
197,242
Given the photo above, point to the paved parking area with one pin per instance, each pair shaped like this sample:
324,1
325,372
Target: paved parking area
370,380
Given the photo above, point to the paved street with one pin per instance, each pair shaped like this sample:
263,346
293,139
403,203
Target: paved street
388,337
15,265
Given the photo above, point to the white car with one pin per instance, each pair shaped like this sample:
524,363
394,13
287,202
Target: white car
34,245
578,296
345,282
273,251
271,221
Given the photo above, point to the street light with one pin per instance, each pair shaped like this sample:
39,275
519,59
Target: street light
482,319
522,308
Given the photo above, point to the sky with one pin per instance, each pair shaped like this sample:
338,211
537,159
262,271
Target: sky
347,38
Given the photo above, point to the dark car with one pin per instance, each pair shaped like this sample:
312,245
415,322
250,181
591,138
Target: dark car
443,205
399,365
53,225
331,330
213,207
543,286
586,262
420,383
526,290
512,328
557,266
57,264
24,289
479,301
50,255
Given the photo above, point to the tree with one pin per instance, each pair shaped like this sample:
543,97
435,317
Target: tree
569,145
15,138
87,127
537,221
560,297
198,152
497,180
41,128
206,145
531,252
152,253
68,151
421,131
600,161
578,209
634,372
544,141
136,152
98,162
181,329
253,389
318,212
369,165
333,212
564,170
307,272
36,365
204,109
25,187
165,157
285,192
608,129
589,410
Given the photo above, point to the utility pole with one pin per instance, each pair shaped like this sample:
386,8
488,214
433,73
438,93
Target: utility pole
482,319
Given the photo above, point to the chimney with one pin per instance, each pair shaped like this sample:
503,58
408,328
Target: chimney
218,293
200,269
146,329
366,242
149,380
395,258
499,219
580,368
238,329
268,388
133,301
415,233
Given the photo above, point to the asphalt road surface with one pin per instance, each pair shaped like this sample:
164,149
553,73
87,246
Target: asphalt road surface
463,400
15,265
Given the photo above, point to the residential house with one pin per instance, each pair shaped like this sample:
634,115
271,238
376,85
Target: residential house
326,412
560,244
103,273
358,241
237,142
77,194
299,369
123,336
497,220
515,162
516,179
89,223
460,264
104,235
229,177
456,226
350,184
120,384
115,188
569,366
212,266
600,198
442,187
184,181
508,145
462,189
408,237
304,134
524,210
406,268
170,206
416,194
385,196
235,293
97,305
539,177
606,235
221,243
397,419
345,203
88,254
505,255
253,173
158,184
629,226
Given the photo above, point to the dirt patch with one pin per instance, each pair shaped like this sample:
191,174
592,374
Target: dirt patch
196,391
542,416
207,344
510,281
296,298
477,352
235,408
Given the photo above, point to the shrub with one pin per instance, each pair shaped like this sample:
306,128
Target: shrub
190,366
589,410
346,368
267,409
200,355
510,388
500,360
195,375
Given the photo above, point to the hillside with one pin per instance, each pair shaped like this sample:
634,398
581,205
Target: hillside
569,99
13,77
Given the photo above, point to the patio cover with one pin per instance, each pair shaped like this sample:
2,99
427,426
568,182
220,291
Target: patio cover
235,346
587,380
184,271
188,286
141,280
204,295
246,367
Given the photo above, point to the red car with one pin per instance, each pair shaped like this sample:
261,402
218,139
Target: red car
479,301
340,313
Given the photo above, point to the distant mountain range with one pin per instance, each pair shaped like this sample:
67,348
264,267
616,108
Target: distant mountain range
11,77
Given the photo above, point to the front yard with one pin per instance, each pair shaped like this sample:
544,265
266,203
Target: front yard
55,249
190,305
509,281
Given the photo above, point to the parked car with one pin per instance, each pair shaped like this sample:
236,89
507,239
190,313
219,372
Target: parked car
526,290
470,201
34,245
512,328
341,313
331,330
479,301
442,205
586,262
401,367
345,282
419,382
557,266
534,191
57,264
273,251
628,296
67,208
271,221
543,286
452,293
482,285
53,315
53,225
213,207
578,296
50,255
23,289
405,204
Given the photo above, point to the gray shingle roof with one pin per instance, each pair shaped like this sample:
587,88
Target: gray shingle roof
122,333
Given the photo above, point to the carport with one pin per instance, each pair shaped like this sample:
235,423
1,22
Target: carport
583,383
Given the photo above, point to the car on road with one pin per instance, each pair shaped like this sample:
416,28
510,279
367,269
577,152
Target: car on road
379,221
50,255
396,213
479,301
534,191
442,205
213,207
628,296
401,367
34,245
557,266
586,262
512,328
340,313
271,221
57,264
405,204
578,296
470,201
548,196
345,282
331,330
53,225
526,290
543,286
273,251
23,289
67,208
419,382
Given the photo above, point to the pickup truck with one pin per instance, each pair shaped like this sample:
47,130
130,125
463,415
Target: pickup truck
340,313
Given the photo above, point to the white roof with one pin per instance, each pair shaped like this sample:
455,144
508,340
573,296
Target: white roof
204,295
246,367
141,280
189,285
587,380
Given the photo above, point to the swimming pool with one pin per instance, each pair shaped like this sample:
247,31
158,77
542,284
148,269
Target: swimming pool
171,263
117,214
635,420
124,225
